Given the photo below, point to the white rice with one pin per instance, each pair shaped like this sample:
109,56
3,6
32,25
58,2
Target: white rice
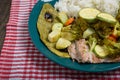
72,7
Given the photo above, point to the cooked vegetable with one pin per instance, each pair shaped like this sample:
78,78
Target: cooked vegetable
112,37
89,14
68,33
116,31
117,45
100,51
63,17
54,36
62,43
67,28
74,31
113,51
69,36
103,28
106,17
88,32
57,26
92,43
69,21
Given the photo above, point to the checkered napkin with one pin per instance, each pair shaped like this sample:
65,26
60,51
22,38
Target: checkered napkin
20,60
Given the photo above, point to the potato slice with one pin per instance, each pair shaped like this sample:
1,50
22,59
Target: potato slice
57,26
54,36
63,17
62,43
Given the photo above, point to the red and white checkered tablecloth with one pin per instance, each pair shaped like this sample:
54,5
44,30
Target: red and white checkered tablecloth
20,60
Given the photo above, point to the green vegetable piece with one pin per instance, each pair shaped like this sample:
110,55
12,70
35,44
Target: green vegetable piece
67,28
100,51
92,43
68,35
88,32
89,14
106,17
117,45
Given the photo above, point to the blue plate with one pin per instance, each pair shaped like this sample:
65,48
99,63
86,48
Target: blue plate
34,34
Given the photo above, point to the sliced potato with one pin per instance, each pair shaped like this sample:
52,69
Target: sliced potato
62,43
106,17
63,17
57,26
54,36
89,14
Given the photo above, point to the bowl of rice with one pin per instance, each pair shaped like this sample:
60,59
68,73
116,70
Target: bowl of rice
72,8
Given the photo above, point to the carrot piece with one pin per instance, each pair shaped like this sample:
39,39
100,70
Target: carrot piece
112,37
69,21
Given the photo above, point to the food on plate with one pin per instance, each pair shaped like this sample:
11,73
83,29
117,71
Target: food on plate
63,17
44,26
88,32
72,7
62,43
106,17
54,36
85,33
57,27
89,14
100,52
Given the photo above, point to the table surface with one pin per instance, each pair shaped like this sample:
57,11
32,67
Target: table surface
20,60
4,16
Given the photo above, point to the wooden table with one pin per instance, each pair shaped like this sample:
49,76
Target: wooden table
4,16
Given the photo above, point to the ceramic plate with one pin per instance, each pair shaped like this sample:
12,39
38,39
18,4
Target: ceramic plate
34,34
